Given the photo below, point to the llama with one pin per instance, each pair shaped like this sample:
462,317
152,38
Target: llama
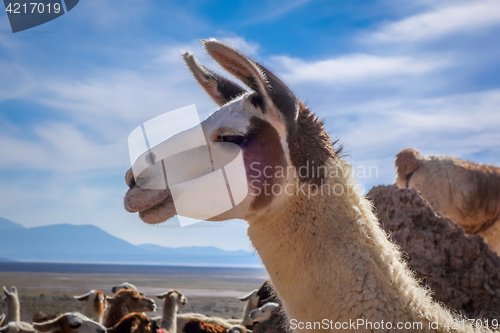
124,302
134,323
328,258
12,322
199,326
173,299
11,300
264,312
256,299
94,305
252,300
183,318
124,285
465,192
70,323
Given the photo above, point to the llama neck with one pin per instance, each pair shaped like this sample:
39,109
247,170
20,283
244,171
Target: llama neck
93,311
251,304
169,316
329,259
13,310
116,312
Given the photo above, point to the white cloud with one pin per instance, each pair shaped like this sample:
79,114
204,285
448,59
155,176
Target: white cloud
270,11
60,147
15,80
355,68
241,44
462,125
460,17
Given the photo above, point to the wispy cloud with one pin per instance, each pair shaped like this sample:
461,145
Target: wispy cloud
272,10
15,80
355,68
462,125
447,20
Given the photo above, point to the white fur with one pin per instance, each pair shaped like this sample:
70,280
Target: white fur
264,312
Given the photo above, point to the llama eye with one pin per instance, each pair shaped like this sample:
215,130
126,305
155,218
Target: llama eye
236,139
75,325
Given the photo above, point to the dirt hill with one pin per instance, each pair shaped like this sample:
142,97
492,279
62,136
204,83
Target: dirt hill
459,268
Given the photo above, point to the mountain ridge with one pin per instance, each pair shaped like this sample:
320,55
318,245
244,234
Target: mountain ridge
88,243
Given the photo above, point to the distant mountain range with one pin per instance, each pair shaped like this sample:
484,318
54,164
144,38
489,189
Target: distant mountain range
88,243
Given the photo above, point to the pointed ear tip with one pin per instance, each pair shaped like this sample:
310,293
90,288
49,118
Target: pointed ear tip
208,40
213,43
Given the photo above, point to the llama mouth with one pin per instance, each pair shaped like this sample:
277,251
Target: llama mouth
153,206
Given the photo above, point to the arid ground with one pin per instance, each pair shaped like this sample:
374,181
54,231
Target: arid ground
211,291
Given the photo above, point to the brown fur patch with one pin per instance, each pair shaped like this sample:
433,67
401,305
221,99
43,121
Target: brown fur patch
483,202
407,162
310,147
133,323
125,299
262,153
199,326
99,302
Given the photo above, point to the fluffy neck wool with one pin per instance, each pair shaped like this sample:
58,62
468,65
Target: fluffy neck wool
328,258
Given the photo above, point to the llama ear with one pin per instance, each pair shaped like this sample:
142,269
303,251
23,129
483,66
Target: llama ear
220,89
247,297
5,291
264,82
83,297
162,296
48,326
14,290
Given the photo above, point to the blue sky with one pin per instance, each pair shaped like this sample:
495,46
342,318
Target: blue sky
384,75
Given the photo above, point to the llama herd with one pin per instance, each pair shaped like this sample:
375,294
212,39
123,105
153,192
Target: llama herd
328,258
125,312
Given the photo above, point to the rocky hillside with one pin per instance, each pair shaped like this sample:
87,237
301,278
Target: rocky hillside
459,268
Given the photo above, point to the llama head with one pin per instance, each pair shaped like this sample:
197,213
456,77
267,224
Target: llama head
124,285
135,323
11,299
9,294
274,130
407,162
264,312
94,302
133,301
175,296
70,323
